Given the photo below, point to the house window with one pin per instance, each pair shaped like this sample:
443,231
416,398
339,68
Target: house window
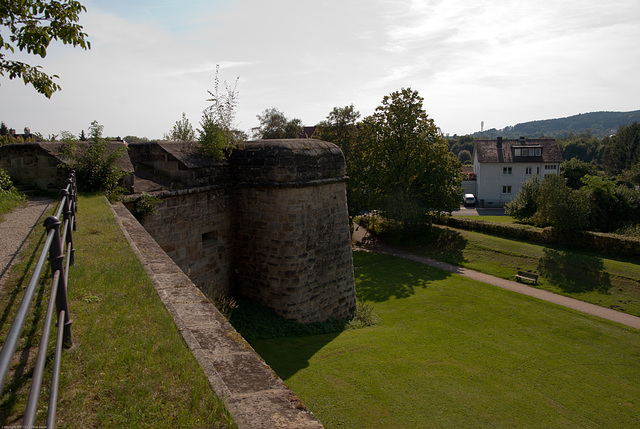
528,170
550,167
537,170
517,152
539,152
506,170
506,189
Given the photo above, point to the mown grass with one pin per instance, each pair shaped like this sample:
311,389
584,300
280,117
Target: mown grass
584,275
453,352
496,219
129,366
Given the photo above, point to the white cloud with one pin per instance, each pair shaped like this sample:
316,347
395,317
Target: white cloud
499,61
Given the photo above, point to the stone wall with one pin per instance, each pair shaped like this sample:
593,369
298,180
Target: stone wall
194,227
33,165
271,224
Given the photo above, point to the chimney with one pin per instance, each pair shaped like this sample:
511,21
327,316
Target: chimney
499,143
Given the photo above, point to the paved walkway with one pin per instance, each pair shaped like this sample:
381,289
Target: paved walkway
368,242
16,228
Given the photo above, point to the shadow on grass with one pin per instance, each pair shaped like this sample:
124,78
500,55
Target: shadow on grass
574,272
284,344
384,281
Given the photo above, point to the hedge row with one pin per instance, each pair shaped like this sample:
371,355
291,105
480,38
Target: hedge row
610,244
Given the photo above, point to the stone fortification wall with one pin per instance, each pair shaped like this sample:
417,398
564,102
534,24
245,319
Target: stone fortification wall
34,165
195,228
42,166
292,237
271,223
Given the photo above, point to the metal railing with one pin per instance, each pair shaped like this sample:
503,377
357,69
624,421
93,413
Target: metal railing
58,232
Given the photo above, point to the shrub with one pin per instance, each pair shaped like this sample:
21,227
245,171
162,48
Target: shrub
5,181
145,205
95,162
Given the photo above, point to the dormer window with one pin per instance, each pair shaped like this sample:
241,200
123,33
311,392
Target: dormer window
527,151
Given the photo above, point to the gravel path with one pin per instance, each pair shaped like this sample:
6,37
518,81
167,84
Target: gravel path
16,228
368,242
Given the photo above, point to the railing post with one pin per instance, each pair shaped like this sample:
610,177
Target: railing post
67,212
56,259
74,195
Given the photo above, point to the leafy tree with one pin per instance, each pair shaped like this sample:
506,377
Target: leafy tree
135,139
622,149
574,170
406,169
182,131
584,146
464,156
32,25
275,125
525,204
217,135
341,128
559,206
94,161
600,199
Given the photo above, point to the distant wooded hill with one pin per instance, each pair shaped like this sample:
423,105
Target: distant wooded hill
601,124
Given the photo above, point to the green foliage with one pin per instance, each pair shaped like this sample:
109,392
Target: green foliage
525,203
464,156
32,25
95,162
6,184
144,206
560,206
584,146
622,150
10,198
181,131
404,167
340,128
217,136
574,170
275,125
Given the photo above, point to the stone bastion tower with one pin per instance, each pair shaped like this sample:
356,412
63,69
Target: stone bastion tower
270,223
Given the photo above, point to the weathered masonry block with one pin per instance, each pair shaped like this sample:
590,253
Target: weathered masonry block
270,223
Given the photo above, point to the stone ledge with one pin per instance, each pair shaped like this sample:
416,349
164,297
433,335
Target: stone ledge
254,395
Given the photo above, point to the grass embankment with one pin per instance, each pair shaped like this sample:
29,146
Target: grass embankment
453,352
587,276
129,366
9,200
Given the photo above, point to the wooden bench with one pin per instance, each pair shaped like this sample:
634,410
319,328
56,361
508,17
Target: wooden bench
525,275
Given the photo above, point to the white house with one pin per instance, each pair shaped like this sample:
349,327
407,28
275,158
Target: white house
501,165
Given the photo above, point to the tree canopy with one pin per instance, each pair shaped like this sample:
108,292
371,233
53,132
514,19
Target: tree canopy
32,25
403,164
275,125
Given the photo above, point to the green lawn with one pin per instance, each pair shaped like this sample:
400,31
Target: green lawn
129,366
582,275
496,219
453,352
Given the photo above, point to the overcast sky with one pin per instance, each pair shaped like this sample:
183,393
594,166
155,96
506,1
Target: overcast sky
498,61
